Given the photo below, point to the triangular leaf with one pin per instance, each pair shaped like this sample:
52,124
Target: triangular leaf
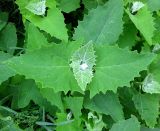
103,25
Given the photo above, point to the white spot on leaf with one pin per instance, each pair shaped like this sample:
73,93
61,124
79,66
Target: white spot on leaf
136,6
38,7
83,66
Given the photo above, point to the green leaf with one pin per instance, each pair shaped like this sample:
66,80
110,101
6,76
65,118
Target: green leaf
128,38
52,97
116,67
8,124
68,125
5,72
131,124
153,5
89,4
35,39
105,103
53,23
144,22
49,66
8,38
149,129
83,61
103,25
98,123
150,84
67,7
75,104
24,93
3,19
148,107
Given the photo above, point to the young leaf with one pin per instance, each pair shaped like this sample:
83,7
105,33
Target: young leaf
131,124
5,72
105,103
103,25
49,66
148,107
144,22
116,67
83,61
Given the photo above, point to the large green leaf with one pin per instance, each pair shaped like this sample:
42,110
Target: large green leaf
148,107
53,23
8,38
49,66
105,103
144,22
103,24
5,72
131,124
116,67
83,61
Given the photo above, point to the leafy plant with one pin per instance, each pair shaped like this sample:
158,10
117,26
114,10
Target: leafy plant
79,65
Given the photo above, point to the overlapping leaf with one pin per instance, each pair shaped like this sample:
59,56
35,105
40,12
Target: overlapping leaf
131,124
67,7
144,22
103,25
5,72
148,107
35,39
53,23
105,103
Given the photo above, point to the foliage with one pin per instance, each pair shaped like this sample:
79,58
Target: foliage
79,65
